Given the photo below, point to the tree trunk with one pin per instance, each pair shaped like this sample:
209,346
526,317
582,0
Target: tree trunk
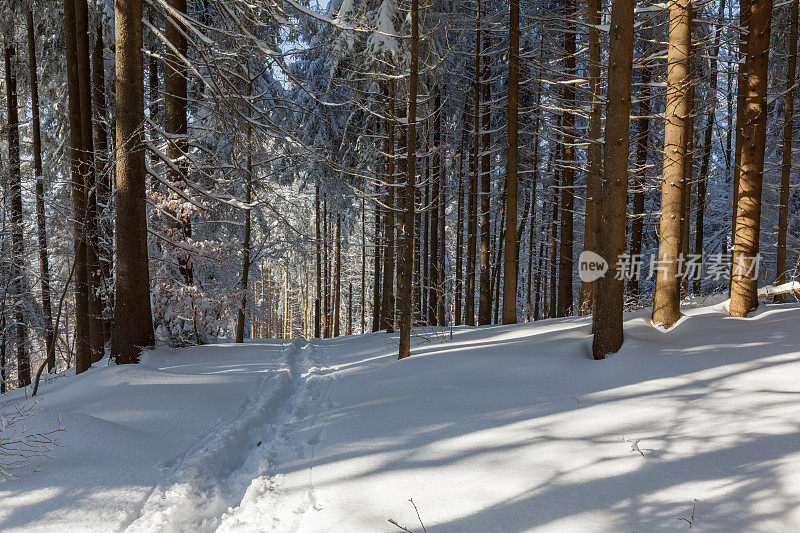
744,296
686,196
637,225
609,297
666,301
176,126
567,177
786,165
433,237
442,204
387,303
337,303
472,214
376,271
81,337
318,299
459,288
707,142
17,230
594,151
407,228
741,103
485,303
510,260
41,220
133,319
248,193
103,181
96,336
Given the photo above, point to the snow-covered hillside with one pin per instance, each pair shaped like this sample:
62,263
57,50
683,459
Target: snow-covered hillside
499,429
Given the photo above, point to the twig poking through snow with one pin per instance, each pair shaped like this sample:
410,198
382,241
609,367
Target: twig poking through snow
634,444
401,527
393,522
690,520
418,516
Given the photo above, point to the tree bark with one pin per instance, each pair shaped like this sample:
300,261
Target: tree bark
609,297
786,165
17,230
96,332
81,336
744,298
594,151
637,225
407,228
485,303
512,164
387,303
41,219
707,143
133,319
567,177
666,301
104,175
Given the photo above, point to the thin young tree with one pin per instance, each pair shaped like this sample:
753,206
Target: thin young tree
41,220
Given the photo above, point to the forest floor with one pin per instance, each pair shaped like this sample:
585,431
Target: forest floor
505,428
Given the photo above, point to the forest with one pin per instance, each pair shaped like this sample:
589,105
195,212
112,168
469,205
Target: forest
512,236
185,173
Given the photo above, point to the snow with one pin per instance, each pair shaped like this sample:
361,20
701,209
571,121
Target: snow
505,428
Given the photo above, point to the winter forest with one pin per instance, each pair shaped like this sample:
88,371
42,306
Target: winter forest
178,175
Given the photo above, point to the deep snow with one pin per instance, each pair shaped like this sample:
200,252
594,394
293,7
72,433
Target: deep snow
506,428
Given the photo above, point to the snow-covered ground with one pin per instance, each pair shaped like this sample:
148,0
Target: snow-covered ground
504,429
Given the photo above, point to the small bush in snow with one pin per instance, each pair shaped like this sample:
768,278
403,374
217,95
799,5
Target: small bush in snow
19,442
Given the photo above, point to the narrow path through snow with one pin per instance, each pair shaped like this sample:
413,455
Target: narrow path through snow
227,477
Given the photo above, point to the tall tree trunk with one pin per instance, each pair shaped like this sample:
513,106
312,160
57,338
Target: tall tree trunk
326,271
41,220
176,125
666,301
338,299
407,228
442,249
17,230
433,257
707,142
81,336
376,263
786,165
103,181
741,103
567,177
318,299
472,222
688,175
485,304
96,333
133,319
248,197
594,151
744,296
459,288
510,260
387,303
637,225
363,306
609,297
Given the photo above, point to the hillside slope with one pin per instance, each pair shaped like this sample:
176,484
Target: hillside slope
510,428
